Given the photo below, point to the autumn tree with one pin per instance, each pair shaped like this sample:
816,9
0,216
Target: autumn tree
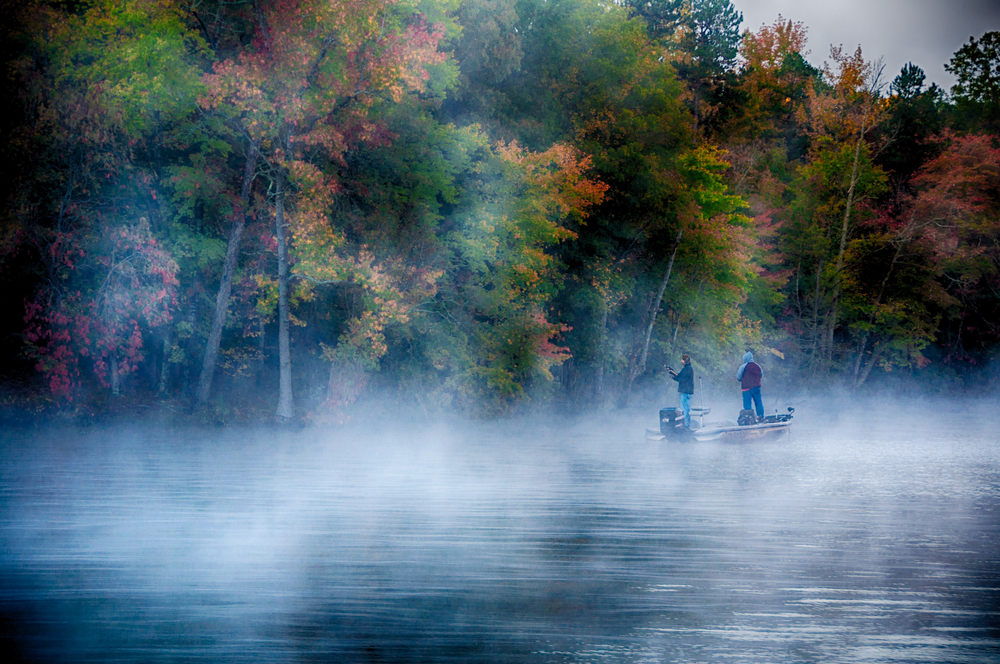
470,228
507,272
102,88
840,173
708,217
302,94
891,300
927,265
775,80
958,201
621,105
590,74
132,283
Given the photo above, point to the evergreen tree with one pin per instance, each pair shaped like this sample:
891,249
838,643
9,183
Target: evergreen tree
702,38
977,92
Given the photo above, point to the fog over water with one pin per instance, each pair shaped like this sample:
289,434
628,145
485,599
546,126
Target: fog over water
853,539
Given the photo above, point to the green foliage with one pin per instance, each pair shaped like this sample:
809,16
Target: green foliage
193,251
977,67
706,32
501,250
140,53
914,117
714,273
829,178
701,38
887,302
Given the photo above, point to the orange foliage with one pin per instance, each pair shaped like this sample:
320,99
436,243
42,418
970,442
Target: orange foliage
766,51
854,105
560,173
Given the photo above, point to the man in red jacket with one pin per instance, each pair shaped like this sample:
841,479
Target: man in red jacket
749,375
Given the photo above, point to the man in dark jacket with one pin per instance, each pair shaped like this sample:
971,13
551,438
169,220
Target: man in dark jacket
685,387
749,375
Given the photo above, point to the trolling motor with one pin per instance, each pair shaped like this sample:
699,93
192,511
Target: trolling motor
784,417
748,417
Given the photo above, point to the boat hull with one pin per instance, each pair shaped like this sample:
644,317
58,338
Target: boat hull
714,432
744,432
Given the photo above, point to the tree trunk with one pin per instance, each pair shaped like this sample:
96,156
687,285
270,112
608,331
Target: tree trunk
347,381
850,203
226,283
601,354
862,345
165,367
869,111
815,331
284,411
638,365
115,382
258,375
835,300
696,113
872,361
858,380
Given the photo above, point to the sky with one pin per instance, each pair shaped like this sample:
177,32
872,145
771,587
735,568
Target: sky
924,32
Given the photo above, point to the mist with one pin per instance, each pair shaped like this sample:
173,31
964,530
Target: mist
333,331
863,535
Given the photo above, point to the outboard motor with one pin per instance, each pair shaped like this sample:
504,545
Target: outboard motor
671,420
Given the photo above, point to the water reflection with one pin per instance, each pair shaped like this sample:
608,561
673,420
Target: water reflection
544,544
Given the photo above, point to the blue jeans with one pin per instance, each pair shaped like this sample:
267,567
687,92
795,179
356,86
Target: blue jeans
686,408
753,393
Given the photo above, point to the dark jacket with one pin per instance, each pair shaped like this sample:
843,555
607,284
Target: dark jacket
751,376
685,380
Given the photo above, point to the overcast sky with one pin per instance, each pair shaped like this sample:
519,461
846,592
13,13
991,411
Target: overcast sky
924,32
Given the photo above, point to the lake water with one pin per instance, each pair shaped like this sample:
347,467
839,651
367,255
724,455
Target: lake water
844,541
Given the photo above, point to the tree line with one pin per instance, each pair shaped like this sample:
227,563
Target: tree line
273,209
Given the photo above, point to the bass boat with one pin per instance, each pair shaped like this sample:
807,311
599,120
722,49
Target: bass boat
748,427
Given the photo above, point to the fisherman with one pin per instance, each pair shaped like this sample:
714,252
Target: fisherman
685,387
749,375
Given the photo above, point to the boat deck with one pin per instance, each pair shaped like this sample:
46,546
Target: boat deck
716,430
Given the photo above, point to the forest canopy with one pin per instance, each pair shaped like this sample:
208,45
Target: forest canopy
277,209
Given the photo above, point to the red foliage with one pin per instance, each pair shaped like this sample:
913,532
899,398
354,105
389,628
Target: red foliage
962,184
136,286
